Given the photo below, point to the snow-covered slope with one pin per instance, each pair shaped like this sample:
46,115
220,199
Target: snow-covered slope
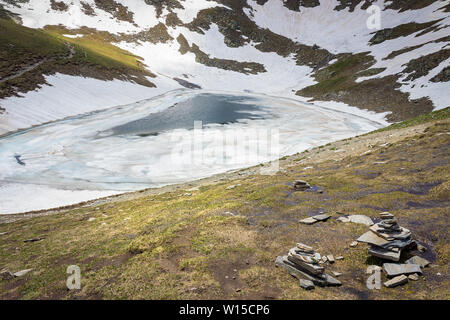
225,36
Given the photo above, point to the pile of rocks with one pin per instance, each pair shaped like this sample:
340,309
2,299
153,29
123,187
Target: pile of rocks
304,263
387,239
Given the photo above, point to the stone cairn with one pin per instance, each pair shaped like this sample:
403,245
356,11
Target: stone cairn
302,262
387,240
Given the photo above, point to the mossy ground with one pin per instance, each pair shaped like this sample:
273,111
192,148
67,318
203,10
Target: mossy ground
207,245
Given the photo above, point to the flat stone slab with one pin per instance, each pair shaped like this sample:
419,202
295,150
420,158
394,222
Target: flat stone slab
309,220
306,284
305,248
321,217
382,232
413,277
372,238
362,219
22,272
418,260
384,253
397,281
396,269
330,258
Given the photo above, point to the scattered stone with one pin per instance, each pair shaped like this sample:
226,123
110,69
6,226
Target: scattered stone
238,290
339,258
353,244
397,281
359,218
337,274
303,263
438,274
3,233
308,221
301,185
22,272
418,260
33,240
371,238
6,275
232,186
330,258
321,217
306,284
324,259
188,194
343,219
91,219
395,269
413,277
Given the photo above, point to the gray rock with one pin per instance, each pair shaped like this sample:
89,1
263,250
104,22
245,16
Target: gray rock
283,262
22,272
306,284
371,238
339,258
305,248
337,274
343,219
359,218
413,277
353,244
309,220
384,253
305,263
397,281
418,260
386,215
301,185
330,258
395,269
332,282
321,217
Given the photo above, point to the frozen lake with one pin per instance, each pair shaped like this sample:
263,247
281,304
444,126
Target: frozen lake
173,138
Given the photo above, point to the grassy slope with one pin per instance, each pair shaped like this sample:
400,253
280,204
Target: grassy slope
21,47
170,246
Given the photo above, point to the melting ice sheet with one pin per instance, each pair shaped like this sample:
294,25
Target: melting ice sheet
156,142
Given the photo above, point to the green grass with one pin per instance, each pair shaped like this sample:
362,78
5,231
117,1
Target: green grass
428,117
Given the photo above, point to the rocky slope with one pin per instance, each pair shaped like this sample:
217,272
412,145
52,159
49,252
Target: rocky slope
95,54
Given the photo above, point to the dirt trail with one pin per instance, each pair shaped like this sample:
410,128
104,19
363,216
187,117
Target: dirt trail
22,72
